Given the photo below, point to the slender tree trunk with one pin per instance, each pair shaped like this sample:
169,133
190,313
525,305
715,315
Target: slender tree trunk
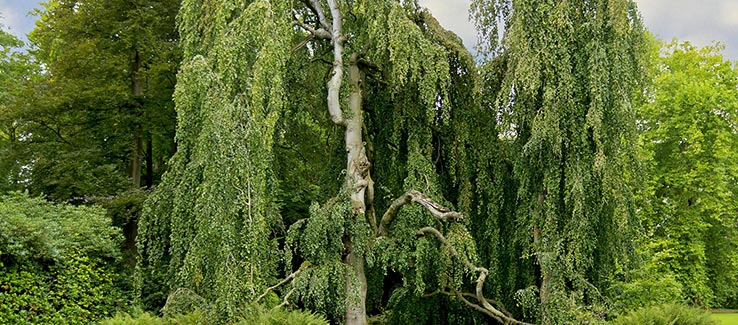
358,179
357,167
149,161
137,92
545,276
137,159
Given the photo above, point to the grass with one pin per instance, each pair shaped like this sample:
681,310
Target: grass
725,317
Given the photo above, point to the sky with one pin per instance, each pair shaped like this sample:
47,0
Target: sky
698,21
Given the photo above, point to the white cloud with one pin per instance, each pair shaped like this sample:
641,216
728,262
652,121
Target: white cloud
454,16
729,14
701,22
10,18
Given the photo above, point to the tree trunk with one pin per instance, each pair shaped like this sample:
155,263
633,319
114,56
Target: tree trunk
149,162
545,276
358,179
356,309
137,92
137,159
357,165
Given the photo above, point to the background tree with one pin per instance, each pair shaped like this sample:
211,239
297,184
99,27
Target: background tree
17,73
80,128
109,68
689,144
569,72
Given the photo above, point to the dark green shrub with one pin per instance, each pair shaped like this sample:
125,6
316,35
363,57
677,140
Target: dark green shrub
57,263
669,314
281,316
136,318
255,315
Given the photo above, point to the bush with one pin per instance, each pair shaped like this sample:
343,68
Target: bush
669,314
32,229
255,315
142,318
57,262
650,284
281,316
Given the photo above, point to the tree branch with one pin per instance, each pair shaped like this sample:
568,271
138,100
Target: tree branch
499,306
319,33
486,307
290,278
438,211
285,301
317,8
334,84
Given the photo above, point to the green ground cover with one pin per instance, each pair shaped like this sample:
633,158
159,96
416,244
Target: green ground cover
726,317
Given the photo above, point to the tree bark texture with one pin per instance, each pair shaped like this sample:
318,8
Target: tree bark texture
357,162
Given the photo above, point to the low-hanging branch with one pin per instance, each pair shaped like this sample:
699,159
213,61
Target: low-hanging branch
485,307
444,214
497,304
290,278
440,212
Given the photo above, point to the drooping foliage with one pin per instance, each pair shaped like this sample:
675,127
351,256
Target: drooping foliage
568,72
214,204
208,227
417,81
688,143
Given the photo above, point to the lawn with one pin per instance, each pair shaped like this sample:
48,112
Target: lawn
726,318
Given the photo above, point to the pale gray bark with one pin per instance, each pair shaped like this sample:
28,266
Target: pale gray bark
440,212
334,84
357,162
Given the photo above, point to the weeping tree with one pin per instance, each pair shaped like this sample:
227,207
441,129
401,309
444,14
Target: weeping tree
379,82
208,227
567,71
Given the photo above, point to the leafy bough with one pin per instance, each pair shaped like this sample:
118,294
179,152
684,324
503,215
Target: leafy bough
443,214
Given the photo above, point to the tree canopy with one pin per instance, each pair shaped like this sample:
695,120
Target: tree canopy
351,162
568,74
407,96
688,143
102,97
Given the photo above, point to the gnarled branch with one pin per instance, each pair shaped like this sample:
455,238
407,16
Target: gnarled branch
485,307
440,212
497,304
290,278
319,32
317,8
